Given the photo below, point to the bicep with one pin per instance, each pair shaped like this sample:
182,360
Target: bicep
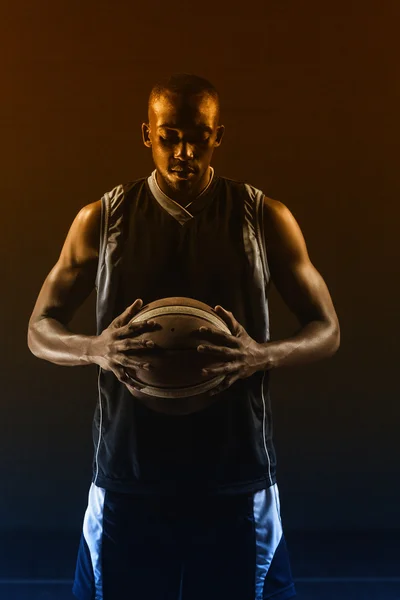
72,278
298,282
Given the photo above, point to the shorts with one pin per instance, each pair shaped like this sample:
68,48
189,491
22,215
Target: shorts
158,548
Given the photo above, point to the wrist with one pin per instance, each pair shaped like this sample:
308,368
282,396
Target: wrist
271,353
90,354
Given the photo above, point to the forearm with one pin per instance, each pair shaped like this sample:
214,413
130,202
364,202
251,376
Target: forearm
315,341
51,340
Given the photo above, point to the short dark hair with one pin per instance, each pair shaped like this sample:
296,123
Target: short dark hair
185,84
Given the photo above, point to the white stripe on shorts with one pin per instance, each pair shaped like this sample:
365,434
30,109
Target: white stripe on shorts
93,531
268,532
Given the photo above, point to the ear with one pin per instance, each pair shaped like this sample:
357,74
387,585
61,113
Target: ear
146,134
220,133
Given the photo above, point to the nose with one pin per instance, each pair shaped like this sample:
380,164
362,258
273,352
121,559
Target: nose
184,151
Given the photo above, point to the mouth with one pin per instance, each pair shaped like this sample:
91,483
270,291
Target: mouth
182,174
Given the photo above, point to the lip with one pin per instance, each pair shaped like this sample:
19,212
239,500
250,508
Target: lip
182,173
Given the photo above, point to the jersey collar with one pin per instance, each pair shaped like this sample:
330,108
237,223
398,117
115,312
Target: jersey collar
178,212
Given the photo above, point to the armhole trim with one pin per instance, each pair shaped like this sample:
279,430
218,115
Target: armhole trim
257,200
104,221
261,236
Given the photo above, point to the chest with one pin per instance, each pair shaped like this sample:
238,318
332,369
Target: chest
202,258
210,242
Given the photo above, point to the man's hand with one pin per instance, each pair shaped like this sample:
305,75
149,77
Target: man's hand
118,348
237,355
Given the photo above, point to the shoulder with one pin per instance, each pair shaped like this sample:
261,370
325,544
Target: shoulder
90,212
282,233
275,215
88,218
277,219
275,212
84,234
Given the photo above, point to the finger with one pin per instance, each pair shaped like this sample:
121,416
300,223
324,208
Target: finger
134,329
221,369
218,337
126,379
224,385
219,350
120,374
133,384
131,363
134,345
128,313
229,319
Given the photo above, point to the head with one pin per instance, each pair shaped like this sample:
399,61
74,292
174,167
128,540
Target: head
182,131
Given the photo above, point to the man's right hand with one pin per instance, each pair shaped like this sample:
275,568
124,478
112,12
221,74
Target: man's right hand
119,348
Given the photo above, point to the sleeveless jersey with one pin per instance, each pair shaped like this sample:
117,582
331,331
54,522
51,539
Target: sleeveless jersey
213,250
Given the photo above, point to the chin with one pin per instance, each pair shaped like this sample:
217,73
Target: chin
176,182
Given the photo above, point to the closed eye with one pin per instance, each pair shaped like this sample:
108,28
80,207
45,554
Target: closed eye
172,140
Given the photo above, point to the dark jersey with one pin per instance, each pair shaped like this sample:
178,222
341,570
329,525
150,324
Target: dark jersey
212,250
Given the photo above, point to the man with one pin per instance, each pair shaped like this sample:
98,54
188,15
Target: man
184,508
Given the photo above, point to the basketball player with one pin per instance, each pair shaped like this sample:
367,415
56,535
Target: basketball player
184,508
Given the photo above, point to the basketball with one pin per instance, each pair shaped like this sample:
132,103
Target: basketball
177,365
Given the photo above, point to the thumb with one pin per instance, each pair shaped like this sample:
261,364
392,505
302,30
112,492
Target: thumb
229,319
129,312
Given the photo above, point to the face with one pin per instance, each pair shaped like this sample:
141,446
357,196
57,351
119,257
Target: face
182,133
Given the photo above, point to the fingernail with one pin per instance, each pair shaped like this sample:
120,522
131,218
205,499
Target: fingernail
151,323
203,329
149,344
201,348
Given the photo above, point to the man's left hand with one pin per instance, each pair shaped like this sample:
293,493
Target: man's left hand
237,355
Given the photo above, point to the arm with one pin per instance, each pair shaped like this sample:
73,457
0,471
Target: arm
305,293
64,290
303,290
69,283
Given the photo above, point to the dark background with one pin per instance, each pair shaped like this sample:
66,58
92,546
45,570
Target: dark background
310,100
